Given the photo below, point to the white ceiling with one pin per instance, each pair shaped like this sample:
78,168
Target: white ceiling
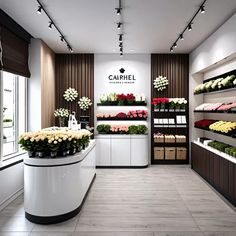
150,26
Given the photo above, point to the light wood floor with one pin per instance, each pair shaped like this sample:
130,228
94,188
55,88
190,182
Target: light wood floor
157,201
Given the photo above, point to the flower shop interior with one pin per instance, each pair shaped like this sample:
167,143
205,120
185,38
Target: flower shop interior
118,118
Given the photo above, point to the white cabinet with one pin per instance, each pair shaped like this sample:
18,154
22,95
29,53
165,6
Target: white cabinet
122,150
139,150
103,150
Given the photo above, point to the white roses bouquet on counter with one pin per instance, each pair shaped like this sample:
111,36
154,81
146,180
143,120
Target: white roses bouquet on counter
61,112
70,94
160,83
84,103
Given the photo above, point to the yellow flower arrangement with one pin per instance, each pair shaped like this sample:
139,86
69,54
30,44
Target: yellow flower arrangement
223,126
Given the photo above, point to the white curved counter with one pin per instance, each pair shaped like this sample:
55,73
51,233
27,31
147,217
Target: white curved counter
54,189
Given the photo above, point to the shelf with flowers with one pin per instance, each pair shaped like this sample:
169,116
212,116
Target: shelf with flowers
217,107
131,115
227,128
114,99
122,129
54,143
169,104
221,83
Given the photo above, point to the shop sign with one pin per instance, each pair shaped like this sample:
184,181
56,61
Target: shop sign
121,78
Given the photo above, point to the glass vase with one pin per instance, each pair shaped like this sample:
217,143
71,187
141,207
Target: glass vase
61,121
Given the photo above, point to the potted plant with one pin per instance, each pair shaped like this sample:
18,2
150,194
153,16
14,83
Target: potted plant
7,122
103,129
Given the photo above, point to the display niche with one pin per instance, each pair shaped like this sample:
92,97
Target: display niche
214,156
122,139
170,112
170,136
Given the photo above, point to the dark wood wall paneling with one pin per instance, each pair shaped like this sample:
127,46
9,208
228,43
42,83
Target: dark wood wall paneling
176,68
75,71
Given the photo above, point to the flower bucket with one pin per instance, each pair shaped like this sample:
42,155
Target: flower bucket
53,154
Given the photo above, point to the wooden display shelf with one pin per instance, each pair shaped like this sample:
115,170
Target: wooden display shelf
172,162
125,105
171,127
227,111
218,91
124,119
170,144
167,111
206,129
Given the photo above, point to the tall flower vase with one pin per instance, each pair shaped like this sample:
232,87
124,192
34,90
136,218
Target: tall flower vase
61,121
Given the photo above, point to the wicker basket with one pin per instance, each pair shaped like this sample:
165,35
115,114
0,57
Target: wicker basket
159,139
181,153
170,139
170,153
158,153
180,139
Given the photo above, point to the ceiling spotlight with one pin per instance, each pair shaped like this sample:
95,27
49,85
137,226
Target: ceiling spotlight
171,49
119,25
118,11
39,11
202,9
69,48
175,45
62,38
50,25
181,37
189,27
120,37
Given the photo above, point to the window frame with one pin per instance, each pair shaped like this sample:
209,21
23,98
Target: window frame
18,152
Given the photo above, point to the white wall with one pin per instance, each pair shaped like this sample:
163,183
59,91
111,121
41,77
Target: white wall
215,56
11,184
137,64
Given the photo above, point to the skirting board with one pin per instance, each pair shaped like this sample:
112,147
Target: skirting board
11,198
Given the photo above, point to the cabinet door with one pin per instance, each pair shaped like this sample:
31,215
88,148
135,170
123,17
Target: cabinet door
139,151
120,152
216,171
103,152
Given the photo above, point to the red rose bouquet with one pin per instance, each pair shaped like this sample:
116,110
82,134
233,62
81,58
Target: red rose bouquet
130,98
121,115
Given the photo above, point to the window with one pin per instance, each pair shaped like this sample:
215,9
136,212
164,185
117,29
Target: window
13,116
